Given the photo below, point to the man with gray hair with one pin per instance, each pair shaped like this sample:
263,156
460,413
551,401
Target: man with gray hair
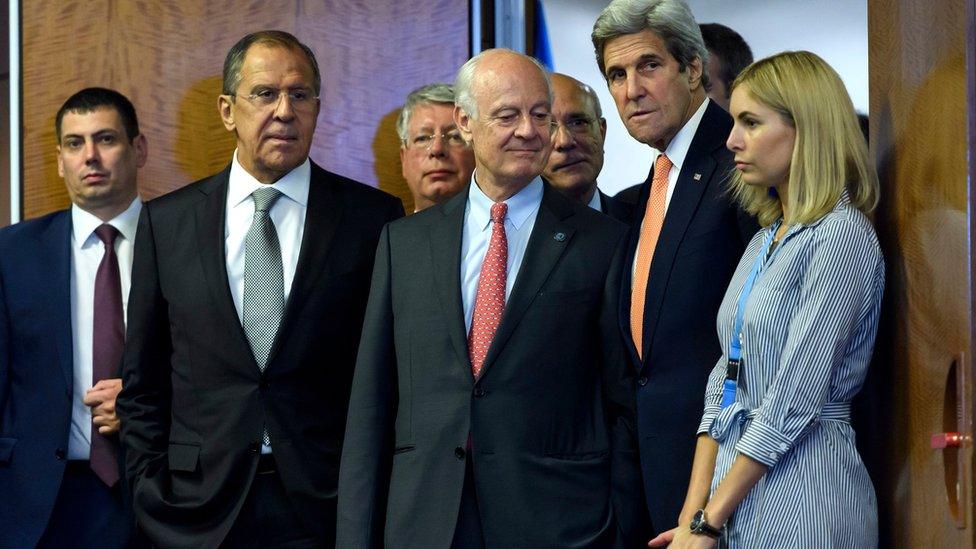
435,159
492,404
577,147
248,293
685,240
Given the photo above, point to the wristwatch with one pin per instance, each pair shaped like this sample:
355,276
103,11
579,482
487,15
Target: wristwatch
700,526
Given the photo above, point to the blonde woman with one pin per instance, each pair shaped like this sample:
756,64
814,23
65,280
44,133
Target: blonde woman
775,463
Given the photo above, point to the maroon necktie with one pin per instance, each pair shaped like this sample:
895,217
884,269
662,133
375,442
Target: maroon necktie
109,334
489,302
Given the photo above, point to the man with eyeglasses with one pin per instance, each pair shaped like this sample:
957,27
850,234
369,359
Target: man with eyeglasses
577,147
492,404
435,159
244,320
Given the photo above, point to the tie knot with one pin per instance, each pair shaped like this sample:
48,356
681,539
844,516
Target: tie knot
106,233
265,198
498,211
663,163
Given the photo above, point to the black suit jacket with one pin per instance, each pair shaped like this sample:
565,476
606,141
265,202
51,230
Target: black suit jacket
195,401
701,242
550,419
36,375
617,209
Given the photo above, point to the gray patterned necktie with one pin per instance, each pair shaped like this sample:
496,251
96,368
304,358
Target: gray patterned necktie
264,287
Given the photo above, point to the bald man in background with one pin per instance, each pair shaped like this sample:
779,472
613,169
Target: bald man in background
577,147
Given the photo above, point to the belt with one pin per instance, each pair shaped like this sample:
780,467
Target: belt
266,464
832,411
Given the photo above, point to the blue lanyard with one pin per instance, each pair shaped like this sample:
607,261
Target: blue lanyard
735,349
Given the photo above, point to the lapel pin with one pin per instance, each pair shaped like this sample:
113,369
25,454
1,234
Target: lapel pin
697,177
559,237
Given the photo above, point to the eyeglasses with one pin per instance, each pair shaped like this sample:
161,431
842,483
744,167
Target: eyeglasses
575,126
301,99
426,141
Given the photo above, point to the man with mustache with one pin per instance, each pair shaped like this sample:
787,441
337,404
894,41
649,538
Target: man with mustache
686,237
492,404
64,279
577,147
244,321
435,159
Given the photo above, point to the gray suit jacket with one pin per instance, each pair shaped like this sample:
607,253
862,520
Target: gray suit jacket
550,420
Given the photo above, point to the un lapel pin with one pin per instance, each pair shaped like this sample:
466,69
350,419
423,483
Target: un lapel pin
559,237
697,177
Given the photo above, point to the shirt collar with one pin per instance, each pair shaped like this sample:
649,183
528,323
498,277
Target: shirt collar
83,224
293,184
520,205
596,202
678,148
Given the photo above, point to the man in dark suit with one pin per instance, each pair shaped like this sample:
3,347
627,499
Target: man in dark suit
492,406
577,147
686,238
250,291
64,278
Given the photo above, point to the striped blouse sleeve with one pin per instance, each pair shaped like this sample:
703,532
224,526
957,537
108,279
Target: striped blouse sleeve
713,395
837,287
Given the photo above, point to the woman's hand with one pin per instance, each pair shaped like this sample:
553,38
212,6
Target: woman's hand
682,538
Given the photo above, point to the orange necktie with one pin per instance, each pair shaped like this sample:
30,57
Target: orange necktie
650,231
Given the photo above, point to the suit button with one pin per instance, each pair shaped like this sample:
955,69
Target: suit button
479,392
459,452
642,381
254,447
59,454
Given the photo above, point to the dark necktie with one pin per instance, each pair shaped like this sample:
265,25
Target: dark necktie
264,288
108,337
489,302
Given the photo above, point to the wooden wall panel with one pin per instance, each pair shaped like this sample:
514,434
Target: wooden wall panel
921,86
166,55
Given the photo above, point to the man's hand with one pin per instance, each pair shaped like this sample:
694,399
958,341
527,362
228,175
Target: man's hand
101,399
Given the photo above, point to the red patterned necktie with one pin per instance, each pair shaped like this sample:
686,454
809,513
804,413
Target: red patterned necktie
489,303
108,335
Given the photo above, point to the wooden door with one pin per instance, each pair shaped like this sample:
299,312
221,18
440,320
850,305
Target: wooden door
922,108
167,56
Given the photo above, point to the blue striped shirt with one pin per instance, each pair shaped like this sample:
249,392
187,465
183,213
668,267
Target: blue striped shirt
808,332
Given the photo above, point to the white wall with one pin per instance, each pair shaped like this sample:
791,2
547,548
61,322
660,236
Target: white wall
837,30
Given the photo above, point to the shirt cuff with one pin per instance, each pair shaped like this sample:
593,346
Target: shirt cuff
708,417
763,443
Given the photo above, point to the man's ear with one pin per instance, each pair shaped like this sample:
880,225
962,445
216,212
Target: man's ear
225,106
141,146
463,122
694,69
60,163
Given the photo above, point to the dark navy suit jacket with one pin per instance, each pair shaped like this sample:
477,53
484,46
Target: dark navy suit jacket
701,241
36,373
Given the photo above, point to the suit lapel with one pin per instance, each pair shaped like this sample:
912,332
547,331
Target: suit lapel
321,221
210,214
445,256
550,237
56,241
697,172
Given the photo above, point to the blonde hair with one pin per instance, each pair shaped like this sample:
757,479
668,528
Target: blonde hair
829,153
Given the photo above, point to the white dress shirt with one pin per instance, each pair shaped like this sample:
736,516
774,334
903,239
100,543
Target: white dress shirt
677,151
288,215
86,253
519,220
595,202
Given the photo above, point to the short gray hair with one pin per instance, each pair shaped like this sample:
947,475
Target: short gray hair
672,20
465,78
270,38
437,93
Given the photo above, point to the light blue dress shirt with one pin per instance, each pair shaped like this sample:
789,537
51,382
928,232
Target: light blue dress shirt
522,210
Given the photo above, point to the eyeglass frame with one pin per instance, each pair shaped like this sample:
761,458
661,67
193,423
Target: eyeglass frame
297,104
409,143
